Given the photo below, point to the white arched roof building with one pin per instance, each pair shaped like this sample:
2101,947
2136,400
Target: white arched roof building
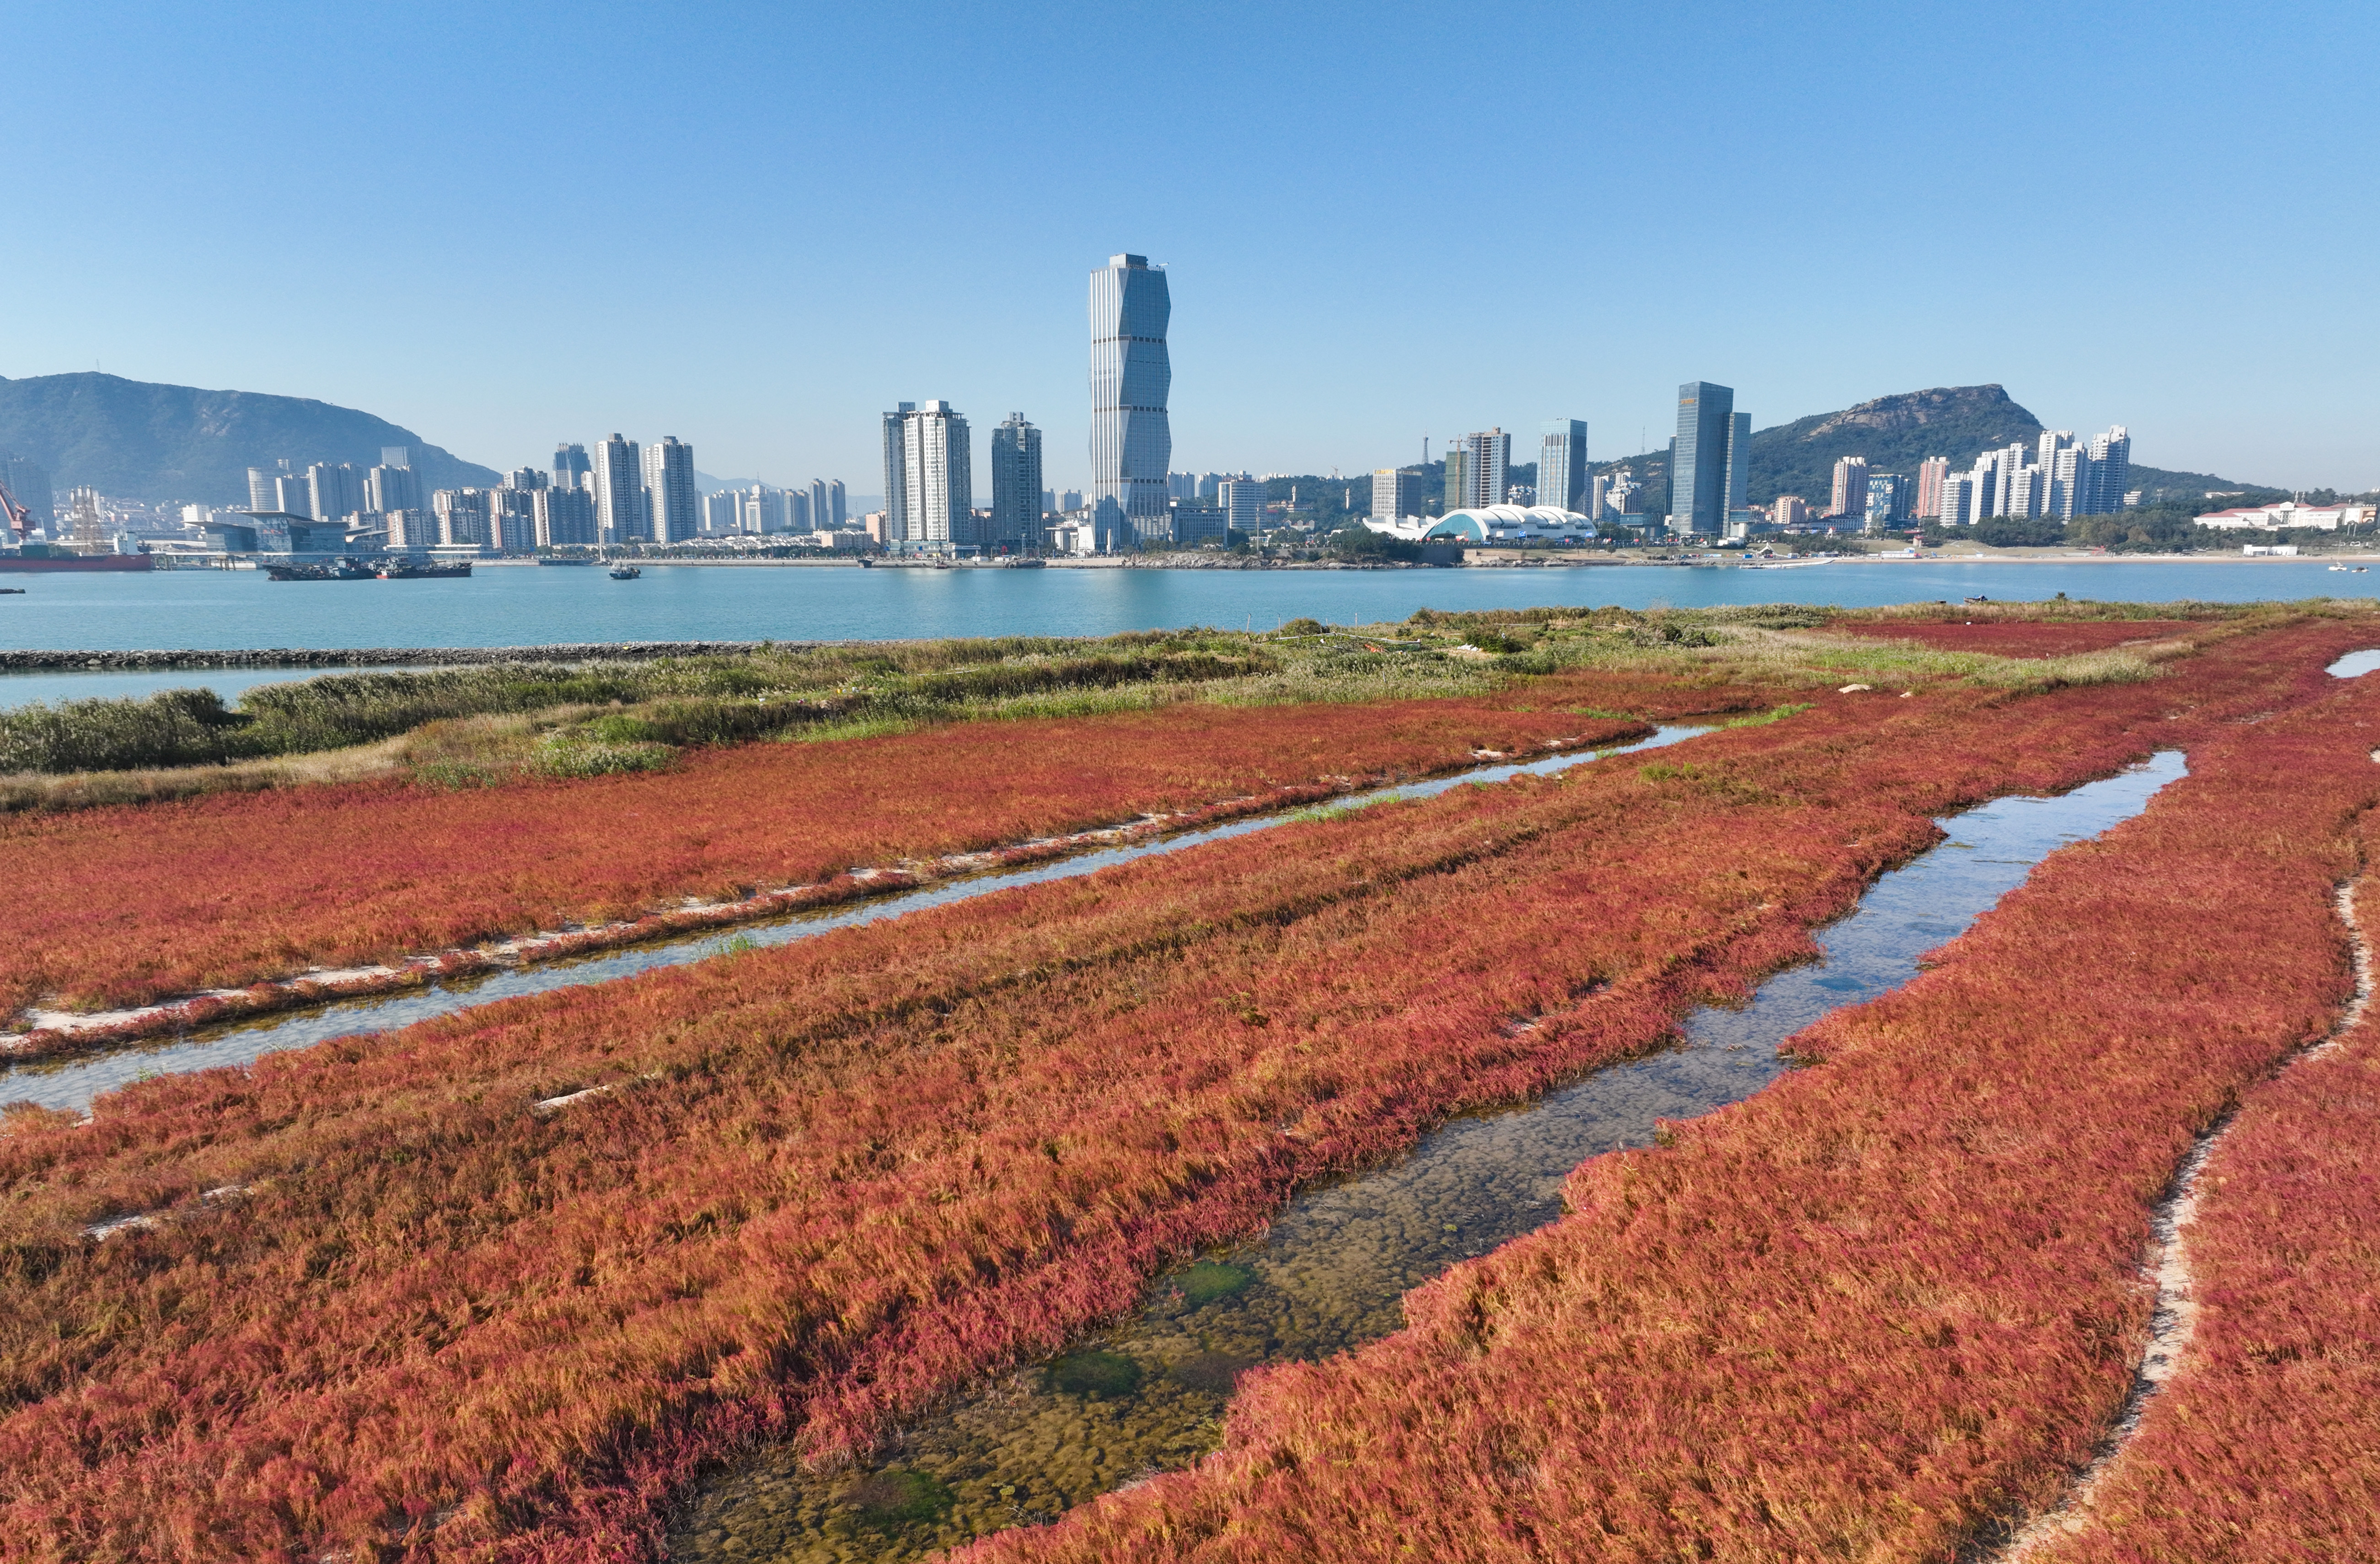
1490,524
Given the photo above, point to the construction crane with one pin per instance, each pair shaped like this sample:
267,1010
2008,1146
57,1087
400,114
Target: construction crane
20,520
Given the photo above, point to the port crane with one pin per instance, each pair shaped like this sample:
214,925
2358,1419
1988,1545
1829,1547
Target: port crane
19,519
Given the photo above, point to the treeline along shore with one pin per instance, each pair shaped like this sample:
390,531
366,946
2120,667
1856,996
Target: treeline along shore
378,656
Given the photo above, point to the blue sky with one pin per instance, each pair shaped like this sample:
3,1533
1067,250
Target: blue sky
754,226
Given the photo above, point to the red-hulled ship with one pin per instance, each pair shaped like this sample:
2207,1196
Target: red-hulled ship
28,560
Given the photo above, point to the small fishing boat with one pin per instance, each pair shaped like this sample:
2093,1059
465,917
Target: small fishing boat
1979,600
626,572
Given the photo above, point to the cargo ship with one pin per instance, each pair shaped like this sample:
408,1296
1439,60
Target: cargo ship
29,556
38,557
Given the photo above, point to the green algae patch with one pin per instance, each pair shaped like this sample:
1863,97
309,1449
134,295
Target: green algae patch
1209,1279
1095,1373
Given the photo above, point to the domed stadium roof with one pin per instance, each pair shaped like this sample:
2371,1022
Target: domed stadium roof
1486,521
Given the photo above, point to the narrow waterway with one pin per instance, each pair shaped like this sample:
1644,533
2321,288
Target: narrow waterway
72,1083
1330,1272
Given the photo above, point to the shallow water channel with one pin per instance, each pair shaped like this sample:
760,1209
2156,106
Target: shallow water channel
1150,1395
72,1083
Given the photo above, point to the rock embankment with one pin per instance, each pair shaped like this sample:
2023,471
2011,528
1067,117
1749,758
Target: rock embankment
368,656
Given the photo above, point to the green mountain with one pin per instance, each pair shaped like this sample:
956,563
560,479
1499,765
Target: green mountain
137,440
1894,433
1897,432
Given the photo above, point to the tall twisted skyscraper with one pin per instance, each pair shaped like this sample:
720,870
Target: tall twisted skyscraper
1132,444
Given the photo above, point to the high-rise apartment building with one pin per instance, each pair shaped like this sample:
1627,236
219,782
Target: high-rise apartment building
1888,496
896,496
571,468
1930,474
334,492
826,503
1396,492
673,501
1455,487
2028,493
462,516
1598,496
390,489
1561,464
620,514
512,513
294,495
930,477
761,510
1849,496
1739,469
264,487
1131,438
1958,499
722,513
396,456
1241,501
2104,488
1181,486
563,518
1700,463
1789,510
1016,483
2056,477
1478,469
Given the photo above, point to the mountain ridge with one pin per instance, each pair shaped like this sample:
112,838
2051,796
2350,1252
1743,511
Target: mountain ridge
148,440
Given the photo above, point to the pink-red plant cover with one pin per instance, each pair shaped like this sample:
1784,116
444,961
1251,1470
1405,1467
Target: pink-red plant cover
835,1179
127,906
1894,1297
2264,1448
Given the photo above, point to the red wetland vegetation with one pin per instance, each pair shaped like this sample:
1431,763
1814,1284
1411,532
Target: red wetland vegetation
1894,1300
389,1305
2267,1450
129,905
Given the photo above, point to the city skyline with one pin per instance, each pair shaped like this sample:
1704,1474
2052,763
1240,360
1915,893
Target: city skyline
792,321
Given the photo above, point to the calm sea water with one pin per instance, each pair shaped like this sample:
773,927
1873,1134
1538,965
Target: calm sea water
514,606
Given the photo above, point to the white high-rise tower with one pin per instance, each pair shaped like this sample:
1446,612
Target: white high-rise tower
1132,442
620,513
935,485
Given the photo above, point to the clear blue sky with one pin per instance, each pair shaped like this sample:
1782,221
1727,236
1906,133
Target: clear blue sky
755,226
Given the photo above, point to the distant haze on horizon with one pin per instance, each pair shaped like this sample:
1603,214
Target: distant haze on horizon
759,227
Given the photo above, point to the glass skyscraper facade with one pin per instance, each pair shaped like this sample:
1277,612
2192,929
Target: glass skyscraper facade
1561,465
1700,462
1132,442
1016,483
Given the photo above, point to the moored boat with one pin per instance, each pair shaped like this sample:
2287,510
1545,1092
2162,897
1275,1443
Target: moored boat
27,560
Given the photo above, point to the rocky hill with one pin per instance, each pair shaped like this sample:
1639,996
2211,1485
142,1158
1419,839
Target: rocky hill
1894,433
139,440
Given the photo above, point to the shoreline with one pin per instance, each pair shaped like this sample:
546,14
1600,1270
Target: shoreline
142,661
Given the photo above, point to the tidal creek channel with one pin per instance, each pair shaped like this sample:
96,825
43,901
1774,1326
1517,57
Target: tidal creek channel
1150,1394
